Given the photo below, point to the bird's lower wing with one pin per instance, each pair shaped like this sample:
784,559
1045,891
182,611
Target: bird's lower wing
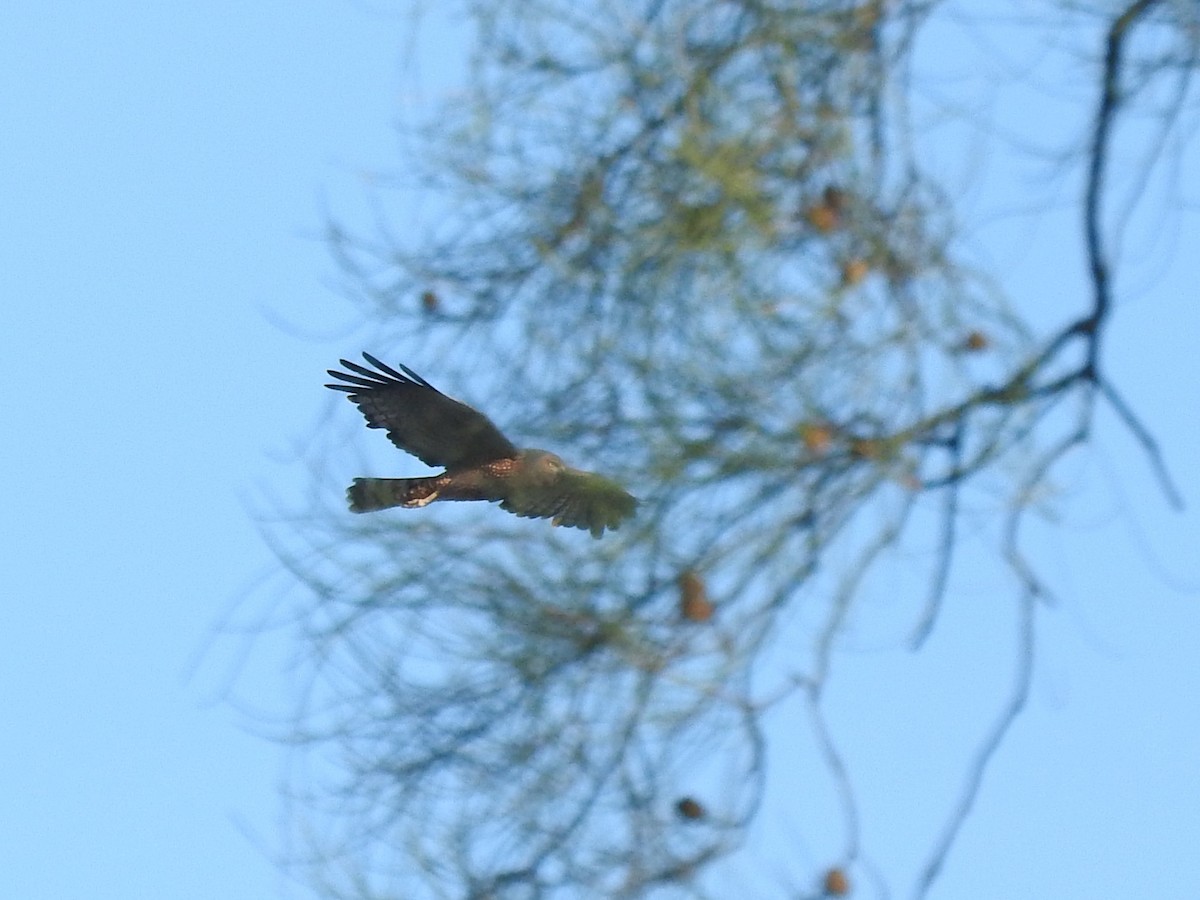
576,500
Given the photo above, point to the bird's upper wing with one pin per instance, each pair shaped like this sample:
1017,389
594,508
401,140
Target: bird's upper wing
420,419
575,499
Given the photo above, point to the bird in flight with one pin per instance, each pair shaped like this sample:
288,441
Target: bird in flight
480,462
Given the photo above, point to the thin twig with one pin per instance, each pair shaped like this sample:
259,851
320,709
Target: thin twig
1149,444
1008,715
837,769
946,553
1110,99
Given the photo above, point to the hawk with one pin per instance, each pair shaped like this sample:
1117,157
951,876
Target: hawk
480,462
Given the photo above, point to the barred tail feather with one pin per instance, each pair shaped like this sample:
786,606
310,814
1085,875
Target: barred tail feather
370,494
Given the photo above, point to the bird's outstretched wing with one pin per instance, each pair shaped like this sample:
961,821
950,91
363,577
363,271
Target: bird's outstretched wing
419,418
575,499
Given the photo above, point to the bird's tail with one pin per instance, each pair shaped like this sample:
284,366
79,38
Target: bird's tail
370,494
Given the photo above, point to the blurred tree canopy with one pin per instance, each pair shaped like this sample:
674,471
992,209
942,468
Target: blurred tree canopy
701,247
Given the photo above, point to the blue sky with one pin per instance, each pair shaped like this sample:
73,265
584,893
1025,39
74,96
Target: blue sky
163,171
162,179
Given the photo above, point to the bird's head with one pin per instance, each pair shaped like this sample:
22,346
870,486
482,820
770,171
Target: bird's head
542,466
